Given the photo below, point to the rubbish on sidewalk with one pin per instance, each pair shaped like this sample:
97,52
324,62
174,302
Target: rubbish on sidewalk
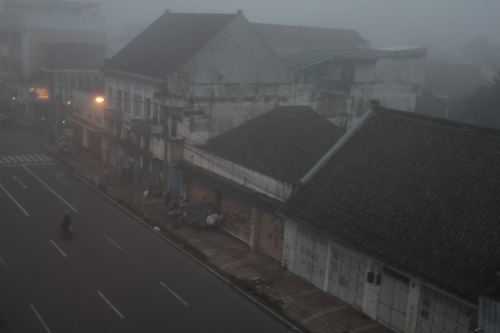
203,214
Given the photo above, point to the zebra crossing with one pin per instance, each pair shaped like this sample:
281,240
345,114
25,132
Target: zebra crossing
24,159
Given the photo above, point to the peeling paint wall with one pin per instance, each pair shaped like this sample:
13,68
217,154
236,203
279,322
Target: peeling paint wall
230,105
237,77
400,97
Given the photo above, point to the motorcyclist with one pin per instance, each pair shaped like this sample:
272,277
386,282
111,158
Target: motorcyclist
66,221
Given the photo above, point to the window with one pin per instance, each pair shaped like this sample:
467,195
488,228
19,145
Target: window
137,105
80,81
110,97
126,102
173,125
147,108
88,80
155,112
119,99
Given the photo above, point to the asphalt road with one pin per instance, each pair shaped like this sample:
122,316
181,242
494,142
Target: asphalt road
114,275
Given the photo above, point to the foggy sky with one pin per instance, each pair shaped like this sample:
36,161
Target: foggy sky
437,24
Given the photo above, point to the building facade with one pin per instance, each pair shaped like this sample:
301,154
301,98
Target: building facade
389,221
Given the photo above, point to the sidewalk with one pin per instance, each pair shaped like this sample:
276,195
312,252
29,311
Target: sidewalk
311,309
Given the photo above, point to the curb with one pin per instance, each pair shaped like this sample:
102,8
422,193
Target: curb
252,287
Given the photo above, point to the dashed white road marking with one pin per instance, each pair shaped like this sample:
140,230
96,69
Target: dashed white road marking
15,201
173,293
16,178
58,248
48,187
112,241
47,329
13,160
22,158
110,305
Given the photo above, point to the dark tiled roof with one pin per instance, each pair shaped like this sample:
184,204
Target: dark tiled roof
421,193
74,56
168,43
283,143
307,38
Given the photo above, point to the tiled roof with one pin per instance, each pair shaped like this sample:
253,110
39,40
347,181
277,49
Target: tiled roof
283,143
419,193
168,43
298,38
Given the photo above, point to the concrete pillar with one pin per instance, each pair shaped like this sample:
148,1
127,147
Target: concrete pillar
372,290
413,307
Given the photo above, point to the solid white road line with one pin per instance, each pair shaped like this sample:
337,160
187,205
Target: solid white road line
47,329
3,261
15,201
110,305
173,293
112,241
58,248
47,186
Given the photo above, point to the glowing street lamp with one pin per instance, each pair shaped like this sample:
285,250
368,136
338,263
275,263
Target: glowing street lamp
99,99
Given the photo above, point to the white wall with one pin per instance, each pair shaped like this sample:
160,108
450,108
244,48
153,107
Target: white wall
250,179
238,55
364,72
401,70
400,97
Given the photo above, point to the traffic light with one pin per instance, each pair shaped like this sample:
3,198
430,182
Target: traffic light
13,98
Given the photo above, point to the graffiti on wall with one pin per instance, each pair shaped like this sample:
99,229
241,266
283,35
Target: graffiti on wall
287,251
309,259
237,219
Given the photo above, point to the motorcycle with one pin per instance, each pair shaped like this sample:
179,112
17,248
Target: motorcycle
67,230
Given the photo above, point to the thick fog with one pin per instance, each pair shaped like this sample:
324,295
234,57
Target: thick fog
442,25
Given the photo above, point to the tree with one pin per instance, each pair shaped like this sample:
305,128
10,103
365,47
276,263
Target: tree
482,107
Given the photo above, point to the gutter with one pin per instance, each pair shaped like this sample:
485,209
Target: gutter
336,147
